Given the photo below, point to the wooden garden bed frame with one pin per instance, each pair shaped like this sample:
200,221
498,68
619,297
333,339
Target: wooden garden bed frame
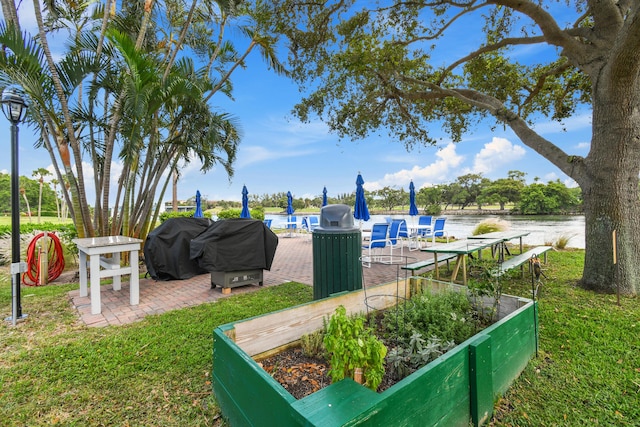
458,387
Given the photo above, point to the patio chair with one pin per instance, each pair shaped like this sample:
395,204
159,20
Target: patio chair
397,234
379,240
267,222
309,223
314,222
437,231
424,225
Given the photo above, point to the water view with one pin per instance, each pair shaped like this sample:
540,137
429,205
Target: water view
542,228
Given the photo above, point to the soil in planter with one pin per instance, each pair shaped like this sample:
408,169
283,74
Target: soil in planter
302,375
299,374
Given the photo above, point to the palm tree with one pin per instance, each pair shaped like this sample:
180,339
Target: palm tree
40,173
116,64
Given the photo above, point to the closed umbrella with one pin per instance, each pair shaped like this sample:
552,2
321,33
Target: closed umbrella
291,220
198,212
360,210
245,203
290,210
413,209
324,196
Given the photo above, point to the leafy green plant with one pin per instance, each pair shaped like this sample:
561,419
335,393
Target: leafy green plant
352,345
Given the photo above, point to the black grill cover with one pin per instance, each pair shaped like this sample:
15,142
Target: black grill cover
234,245
166,250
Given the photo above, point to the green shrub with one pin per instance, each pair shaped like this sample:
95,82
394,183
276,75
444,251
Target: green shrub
257,213
188,214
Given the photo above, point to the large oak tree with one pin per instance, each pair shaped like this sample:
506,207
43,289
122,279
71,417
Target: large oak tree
369,66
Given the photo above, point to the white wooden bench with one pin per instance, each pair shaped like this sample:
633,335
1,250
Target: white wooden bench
522,258
428,262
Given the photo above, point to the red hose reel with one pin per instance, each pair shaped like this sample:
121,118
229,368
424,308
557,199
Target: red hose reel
44,252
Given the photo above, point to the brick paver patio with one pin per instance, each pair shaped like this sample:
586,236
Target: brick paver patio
293,262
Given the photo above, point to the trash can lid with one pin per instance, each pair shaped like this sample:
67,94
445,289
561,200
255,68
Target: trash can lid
336,218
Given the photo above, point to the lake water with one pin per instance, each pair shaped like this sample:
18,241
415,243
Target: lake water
542,228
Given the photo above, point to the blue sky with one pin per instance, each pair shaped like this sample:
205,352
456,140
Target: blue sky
280,154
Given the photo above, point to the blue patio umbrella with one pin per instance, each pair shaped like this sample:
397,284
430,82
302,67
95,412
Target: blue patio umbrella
324,196
198,212
413,209
290,209
360,210
245,203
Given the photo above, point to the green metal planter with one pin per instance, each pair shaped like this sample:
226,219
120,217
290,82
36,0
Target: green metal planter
453,390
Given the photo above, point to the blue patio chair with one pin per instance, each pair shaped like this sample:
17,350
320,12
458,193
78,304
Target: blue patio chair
314,222
379,240
309,223
424,222
267,222
437,230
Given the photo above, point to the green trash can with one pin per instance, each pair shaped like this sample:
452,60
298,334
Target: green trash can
337,248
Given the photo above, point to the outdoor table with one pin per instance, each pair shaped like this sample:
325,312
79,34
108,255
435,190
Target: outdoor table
291,225
505,236
100,266
460,248
415,232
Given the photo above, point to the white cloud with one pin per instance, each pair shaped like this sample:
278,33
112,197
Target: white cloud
436,172
583,146
498,152
574,123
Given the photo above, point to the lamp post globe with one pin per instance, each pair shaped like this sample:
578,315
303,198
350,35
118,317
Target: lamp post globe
14,108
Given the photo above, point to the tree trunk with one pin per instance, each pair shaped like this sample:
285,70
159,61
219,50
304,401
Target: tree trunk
611,197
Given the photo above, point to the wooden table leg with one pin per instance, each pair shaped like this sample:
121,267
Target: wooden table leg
459,261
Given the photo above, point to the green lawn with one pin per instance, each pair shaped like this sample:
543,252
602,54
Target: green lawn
157,372
6,220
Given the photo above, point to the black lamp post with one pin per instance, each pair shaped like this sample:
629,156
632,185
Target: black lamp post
15,108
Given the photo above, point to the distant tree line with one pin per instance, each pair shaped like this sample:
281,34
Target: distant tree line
467,191
35,196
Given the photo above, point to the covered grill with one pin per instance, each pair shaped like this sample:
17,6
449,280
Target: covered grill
167,248
235,251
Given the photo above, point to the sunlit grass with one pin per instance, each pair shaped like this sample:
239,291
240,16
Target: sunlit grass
157,372
55,371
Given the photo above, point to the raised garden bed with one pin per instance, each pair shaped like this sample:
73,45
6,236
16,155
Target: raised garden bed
456,388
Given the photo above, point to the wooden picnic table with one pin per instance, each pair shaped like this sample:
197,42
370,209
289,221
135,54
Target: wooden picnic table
461,248
504,236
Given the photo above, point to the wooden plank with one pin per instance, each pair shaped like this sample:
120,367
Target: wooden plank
263,333
340,404
480,380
